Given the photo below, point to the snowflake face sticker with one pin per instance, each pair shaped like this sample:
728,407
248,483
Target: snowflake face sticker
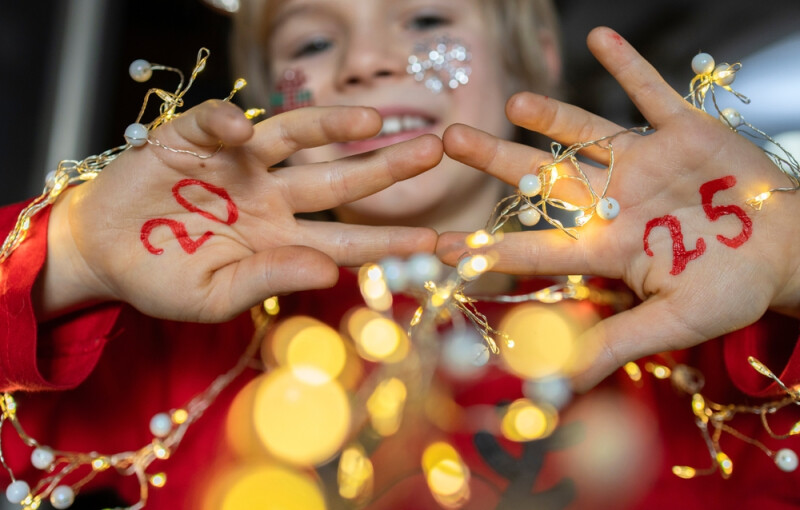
440,63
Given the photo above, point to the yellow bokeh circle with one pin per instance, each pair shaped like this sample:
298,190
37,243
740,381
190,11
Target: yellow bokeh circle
301,423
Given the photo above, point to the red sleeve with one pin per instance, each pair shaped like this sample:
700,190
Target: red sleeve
773,340
55,355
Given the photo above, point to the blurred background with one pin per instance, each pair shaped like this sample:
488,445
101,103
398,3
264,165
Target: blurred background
65,90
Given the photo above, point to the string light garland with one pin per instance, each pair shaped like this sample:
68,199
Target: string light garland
708,77
71,172
712,419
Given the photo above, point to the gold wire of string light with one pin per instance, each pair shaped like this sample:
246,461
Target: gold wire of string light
713,419
536,191
708,77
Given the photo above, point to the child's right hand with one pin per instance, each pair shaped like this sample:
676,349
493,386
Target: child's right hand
226,224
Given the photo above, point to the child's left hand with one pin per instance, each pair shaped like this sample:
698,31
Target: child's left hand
713,265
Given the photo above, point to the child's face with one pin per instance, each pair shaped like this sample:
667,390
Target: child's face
355,52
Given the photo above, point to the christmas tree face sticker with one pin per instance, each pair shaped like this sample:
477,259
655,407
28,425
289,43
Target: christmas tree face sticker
290,92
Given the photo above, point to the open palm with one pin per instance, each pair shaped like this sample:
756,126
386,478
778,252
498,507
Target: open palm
702,261
195,239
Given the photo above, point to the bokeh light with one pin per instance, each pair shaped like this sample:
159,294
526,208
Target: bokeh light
240,430
526,421
385,406
544,341
446,474
376,337
301,423
311,349
355,475
269,487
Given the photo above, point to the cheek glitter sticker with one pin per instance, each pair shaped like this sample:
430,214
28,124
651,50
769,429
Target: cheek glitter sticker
290,92
440,62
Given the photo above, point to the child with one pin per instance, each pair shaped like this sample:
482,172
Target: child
66,307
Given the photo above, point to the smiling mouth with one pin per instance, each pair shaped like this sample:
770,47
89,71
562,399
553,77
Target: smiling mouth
394,124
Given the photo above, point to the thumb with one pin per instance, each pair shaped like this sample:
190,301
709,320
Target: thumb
272,272
649,328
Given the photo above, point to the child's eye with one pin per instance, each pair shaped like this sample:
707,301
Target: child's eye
427,22
312,47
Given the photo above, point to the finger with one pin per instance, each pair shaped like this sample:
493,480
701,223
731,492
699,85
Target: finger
562,122
508,161
327,185
649,328
211,123
281,136
544,252
653,97
241,285
354,245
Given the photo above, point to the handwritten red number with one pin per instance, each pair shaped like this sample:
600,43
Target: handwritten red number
179,229
715,212
188,244
233,212
680,256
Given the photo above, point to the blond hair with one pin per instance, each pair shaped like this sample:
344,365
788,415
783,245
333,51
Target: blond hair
526,30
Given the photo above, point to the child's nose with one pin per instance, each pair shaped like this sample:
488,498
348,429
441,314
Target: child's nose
372,57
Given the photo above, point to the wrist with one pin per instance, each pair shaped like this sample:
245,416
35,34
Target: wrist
66,281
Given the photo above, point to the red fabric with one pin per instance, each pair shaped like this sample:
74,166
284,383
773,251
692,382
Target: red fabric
124,368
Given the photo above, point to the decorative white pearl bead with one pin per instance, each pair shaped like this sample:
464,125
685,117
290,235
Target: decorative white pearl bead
786,460
529,185
62,497
17,491
734,119
136,134
42,458
160,425
394,272
723,75
422,268
140,70
607,208
703,63
529,216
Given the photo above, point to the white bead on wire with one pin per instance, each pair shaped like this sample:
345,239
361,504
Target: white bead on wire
62,497
17,491
42,458
140,70
160,425
786,460
136,134
607,208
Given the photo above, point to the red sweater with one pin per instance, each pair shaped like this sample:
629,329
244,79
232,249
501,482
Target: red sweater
113,369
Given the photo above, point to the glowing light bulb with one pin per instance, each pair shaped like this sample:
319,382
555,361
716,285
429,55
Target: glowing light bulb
179,416
158,480
684,472
271,306
633,371
479,239
725,464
